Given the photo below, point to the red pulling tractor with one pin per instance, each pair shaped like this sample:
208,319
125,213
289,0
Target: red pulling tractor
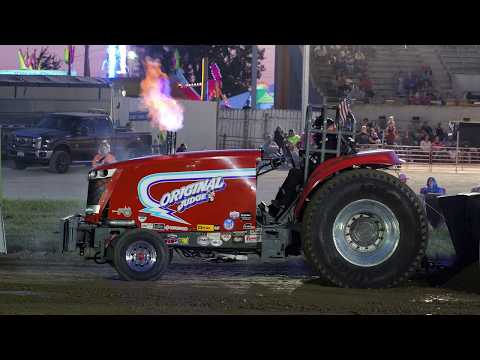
356,225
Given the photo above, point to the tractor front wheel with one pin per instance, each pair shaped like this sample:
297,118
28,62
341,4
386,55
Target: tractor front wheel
365,229
140,255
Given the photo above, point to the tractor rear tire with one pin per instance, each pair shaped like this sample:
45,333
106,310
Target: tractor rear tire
140,255
364,229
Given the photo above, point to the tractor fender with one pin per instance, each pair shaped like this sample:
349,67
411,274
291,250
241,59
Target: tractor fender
372,158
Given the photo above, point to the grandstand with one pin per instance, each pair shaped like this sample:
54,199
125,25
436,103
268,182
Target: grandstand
446,61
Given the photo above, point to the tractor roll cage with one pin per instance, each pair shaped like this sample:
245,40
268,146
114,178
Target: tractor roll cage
348,129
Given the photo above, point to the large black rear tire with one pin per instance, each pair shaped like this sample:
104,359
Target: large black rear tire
365,229
140,255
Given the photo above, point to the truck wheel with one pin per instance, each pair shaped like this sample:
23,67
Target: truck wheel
364,229
19,165
140,255
60,162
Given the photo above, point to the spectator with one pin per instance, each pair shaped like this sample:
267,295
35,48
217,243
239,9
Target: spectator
432,188
412,84
366,86
436,144
425,144
427,129
403,178
293,138
363,138
270,147
279,138
391,131
439,132
182,148
374,139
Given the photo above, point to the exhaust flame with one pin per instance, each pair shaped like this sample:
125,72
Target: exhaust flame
164,112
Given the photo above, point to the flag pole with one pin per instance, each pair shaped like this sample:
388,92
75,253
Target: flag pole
305,77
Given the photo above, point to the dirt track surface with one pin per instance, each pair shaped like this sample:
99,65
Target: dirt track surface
59,285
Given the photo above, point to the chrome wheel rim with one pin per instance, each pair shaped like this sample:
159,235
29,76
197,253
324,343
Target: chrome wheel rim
141,256
366,233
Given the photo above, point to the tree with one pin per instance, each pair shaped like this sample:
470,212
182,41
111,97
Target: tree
234,61
47,60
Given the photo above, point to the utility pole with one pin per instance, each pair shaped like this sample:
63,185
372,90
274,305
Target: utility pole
254,77
86,66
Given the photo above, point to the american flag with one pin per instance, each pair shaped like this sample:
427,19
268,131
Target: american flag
344,109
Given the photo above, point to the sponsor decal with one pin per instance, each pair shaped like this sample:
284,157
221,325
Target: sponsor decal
201,190
248,226
216,242
184,240
203,240
234,215
238,239
216,228
171,239
228,224
202,227
175,228
125,211
213,236
152,226
226,236
142,218
252,238
214,239
245,216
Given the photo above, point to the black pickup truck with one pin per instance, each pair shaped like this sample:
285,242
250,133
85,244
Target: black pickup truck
60,139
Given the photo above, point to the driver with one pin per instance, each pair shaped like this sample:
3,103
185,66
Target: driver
294,180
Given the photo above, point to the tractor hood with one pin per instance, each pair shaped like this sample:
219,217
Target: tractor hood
191,160
178,191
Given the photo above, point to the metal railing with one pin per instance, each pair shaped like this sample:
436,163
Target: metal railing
442,155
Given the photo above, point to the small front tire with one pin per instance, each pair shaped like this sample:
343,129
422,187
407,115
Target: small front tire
140,255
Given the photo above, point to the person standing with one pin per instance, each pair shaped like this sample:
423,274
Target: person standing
391,131
104,156
279,138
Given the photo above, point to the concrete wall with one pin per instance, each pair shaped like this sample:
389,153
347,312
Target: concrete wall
199,123
404,113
